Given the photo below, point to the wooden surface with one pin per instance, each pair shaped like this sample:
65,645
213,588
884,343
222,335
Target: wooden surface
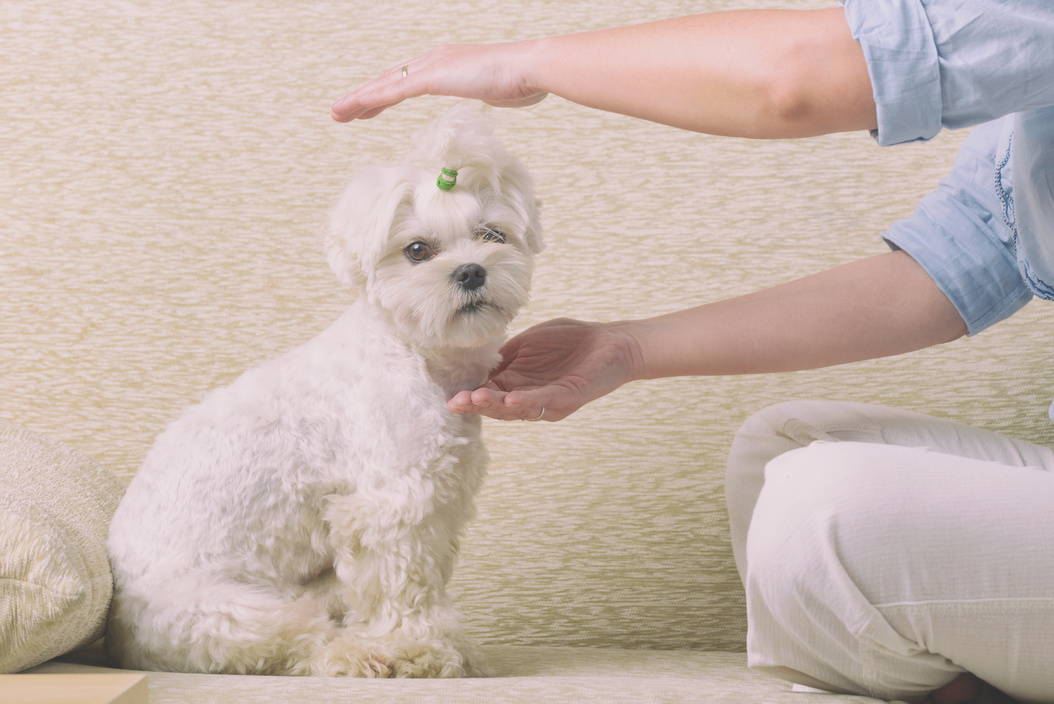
73,689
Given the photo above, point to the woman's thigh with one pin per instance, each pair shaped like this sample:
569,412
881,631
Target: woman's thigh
795,424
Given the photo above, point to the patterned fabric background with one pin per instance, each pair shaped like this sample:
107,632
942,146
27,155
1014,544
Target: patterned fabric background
165,169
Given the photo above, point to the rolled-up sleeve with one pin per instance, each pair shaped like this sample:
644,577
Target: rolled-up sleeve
953,63
958,235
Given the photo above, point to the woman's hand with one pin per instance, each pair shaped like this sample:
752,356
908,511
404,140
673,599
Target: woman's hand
492,73
558,366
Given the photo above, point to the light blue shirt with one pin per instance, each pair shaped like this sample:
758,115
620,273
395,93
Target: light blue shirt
986,235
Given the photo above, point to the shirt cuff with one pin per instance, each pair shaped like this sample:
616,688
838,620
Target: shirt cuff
958,236
901,55
982,297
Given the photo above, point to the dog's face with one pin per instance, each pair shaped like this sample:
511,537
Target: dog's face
455,267
452,267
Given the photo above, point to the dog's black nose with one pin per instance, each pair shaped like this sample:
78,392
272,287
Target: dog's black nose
470,276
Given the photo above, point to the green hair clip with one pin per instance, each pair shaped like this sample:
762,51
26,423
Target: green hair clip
447,179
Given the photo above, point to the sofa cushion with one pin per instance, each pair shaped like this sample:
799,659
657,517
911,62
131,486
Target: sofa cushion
55,583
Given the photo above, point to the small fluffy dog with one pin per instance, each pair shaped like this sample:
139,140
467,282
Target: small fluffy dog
305,519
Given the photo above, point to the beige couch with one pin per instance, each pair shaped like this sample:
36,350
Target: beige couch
55,585
165,169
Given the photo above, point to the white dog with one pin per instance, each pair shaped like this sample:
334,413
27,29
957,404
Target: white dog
306,518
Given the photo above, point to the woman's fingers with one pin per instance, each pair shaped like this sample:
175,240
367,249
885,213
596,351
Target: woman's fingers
487,72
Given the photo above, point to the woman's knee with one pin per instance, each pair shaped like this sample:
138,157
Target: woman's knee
817,497
804,602
764,436
778,429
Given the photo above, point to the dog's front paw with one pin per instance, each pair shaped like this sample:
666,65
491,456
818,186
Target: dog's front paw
347,658
441,658
399,657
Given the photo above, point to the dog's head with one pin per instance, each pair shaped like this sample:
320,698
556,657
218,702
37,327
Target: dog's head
452,266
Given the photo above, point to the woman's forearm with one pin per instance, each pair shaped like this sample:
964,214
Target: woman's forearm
768,74
876,307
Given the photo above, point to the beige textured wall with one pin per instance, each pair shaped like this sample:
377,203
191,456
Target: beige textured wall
164,169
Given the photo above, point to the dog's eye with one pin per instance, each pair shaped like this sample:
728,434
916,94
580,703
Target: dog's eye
489,234
419,252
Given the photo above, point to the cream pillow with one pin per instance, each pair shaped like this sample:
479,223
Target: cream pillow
55,585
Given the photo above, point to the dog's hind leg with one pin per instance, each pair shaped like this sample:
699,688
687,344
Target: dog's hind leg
193,625
393,558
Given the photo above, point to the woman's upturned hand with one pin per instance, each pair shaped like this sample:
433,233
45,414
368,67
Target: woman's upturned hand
493,73
558,366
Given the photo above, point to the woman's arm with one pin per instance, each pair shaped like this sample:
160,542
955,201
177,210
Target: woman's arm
875,307
766,74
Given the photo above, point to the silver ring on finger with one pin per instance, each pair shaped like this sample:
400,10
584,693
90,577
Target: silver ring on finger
539,416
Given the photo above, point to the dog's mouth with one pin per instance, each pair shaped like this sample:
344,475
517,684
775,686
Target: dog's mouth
473,307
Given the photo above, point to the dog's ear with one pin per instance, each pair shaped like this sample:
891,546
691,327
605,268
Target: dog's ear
534,238
355,235
518,188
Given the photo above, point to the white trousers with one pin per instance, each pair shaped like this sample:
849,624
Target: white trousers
885,552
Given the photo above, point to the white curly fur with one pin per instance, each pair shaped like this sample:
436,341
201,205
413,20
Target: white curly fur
306,518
